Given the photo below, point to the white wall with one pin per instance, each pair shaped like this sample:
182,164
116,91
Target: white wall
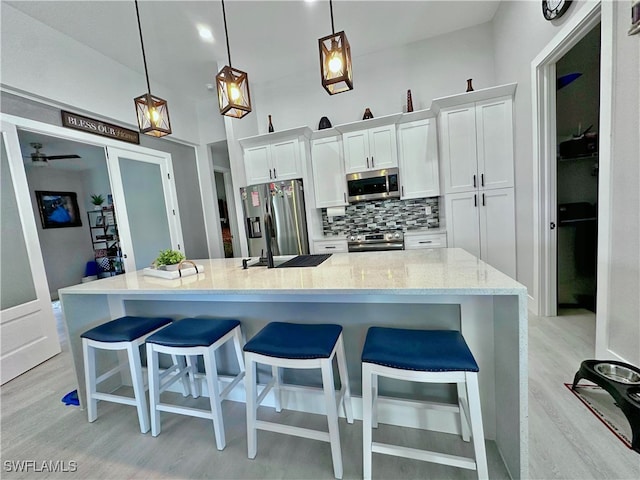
520,32
65,251
623,311
431,68
48,64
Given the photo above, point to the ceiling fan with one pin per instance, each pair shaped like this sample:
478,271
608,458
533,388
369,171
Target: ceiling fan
39,158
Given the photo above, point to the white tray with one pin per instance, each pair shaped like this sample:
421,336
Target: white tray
173,274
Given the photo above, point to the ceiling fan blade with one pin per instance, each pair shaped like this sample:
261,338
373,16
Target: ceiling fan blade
61,157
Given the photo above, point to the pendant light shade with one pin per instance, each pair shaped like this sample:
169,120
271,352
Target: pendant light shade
152,111
335,61
232,84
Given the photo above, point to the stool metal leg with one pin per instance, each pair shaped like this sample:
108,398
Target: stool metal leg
464,411
477,431
344,380
332,415
277,391
252,395
192,364
133,351
90,379
154,388
214,396
367,415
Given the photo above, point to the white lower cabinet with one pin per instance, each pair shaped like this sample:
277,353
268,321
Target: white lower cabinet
483,223
330,246
424,240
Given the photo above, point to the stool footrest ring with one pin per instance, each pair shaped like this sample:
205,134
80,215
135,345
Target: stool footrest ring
424,455
291,430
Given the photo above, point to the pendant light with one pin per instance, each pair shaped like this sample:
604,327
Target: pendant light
233,85
152,111
335,61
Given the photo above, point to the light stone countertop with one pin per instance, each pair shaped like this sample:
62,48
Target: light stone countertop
450,271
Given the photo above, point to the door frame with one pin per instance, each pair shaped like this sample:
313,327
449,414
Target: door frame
41,305
544,158
163,161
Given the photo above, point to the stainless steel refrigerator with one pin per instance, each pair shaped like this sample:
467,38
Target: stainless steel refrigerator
284,201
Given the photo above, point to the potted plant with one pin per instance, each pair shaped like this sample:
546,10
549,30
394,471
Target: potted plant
168,259
97,201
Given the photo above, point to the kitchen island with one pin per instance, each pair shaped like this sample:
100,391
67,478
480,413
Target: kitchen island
437,288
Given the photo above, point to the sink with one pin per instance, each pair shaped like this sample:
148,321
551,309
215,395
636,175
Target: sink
286,261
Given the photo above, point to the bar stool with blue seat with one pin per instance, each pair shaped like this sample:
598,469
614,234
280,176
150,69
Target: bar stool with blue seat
427,356
125,333
298,346
190,338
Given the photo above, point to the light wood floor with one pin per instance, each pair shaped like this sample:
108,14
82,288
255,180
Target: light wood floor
566,441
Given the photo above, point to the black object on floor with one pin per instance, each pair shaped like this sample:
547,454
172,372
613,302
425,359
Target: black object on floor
305,261
622,382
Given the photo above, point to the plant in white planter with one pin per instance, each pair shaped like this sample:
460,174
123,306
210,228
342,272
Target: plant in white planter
97,201
168,259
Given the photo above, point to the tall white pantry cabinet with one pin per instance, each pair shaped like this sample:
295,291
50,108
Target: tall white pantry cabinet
476,152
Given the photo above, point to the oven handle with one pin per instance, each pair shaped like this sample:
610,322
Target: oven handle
379,247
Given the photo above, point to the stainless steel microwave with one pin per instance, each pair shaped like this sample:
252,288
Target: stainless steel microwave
373,185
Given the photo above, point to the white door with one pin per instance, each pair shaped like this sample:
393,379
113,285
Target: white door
494,128
461,213
458,148
256,165
328,173
418,159
27,325
356,151
146,206
382,147
285,160
497,229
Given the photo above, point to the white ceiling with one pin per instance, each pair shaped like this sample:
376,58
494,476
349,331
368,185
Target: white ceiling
268,39
91,155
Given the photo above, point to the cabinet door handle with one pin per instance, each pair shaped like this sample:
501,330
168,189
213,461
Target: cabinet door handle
274,173
474,181
425,241
345,196
367,162
330,248
373,164
270,177
124,255
403,190
483,204
482,179
475,200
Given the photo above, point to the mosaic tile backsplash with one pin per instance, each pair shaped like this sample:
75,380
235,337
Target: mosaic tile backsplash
389,214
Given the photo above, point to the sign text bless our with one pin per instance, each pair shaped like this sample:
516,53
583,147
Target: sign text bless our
86,124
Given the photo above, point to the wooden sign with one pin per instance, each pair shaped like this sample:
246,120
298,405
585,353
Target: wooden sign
97,127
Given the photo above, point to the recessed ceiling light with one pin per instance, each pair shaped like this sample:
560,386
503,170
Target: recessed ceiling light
205,33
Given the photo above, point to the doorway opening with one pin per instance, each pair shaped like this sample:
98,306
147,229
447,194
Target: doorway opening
577,129
223,184
223,210
86,248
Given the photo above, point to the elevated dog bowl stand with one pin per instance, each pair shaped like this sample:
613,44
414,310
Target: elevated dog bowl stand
625,392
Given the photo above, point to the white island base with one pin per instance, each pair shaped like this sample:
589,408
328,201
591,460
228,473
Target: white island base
439,288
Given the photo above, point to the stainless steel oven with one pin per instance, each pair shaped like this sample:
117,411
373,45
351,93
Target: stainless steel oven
373,185
376,242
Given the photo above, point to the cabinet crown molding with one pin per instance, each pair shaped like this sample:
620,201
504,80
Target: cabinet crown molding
275,137
476,96
367,124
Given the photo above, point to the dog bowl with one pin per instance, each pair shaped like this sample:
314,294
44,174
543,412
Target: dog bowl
618,373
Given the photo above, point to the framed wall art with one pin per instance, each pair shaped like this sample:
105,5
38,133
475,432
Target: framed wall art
58,209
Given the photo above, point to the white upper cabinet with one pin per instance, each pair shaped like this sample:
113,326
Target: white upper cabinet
476,142
328,172
275,161
418,159
370,149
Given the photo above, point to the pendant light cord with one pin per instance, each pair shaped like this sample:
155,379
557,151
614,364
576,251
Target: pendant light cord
144,58
226,33
333,30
